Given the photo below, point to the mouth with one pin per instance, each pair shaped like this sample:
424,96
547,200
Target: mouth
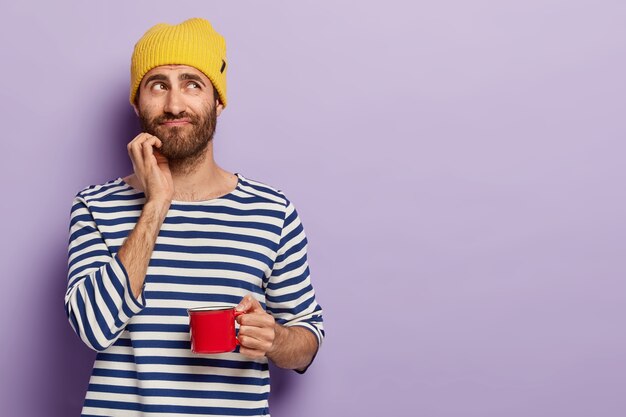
179,122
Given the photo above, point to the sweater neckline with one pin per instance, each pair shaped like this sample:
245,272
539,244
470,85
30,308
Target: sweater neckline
196,202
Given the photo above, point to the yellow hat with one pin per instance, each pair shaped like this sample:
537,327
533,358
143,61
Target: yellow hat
193,42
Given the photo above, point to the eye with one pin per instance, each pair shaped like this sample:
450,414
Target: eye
158,86
194,84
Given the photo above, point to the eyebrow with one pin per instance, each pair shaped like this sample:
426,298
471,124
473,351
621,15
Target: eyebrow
181,77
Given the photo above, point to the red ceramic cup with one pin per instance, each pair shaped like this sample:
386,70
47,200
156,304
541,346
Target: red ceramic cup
213,329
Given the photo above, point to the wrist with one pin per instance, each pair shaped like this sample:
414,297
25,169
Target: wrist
280,334
156,208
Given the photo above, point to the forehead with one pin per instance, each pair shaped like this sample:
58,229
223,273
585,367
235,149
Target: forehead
174,70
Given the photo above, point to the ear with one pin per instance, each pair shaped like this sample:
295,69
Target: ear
136,109
219,108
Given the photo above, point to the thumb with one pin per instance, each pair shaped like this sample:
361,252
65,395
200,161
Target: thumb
244,304
160,158
249,303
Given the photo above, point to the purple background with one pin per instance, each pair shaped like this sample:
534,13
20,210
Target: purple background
458,166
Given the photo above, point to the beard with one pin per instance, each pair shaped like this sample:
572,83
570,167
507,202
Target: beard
184,145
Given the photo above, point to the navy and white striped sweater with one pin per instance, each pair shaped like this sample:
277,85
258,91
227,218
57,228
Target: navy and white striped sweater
209,252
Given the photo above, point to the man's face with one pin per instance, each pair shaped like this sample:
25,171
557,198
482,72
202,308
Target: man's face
176,104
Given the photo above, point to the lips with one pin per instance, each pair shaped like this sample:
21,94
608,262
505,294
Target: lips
176,122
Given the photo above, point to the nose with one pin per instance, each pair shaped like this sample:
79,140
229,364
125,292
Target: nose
175,103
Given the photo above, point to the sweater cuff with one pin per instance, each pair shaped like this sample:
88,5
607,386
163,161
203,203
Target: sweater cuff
135,305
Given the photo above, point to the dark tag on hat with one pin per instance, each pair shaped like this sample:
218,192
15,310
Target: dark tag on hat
223,66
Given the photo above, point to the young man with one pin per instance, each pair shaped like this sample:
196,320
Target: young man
178,233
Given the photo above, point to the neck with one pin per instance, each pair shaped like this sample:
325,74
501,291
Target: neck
200,178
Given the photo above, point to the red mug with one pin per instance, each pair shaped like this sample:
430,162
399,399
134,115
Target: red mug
212,329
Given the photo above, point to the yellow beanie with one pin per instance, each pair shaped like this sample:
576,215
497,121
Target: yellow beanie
193,42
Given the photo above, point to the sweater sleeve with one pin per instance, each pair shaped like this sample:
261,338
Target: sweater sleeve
289,294
98,301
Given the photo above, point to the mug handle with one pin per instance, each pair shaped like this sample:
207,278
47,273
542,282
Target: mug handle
237,314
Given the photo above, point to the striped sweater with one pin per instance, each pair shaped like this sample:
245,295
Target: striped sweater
209,252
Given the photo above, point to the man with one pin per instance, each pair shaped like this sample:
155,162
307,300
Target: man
178,233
